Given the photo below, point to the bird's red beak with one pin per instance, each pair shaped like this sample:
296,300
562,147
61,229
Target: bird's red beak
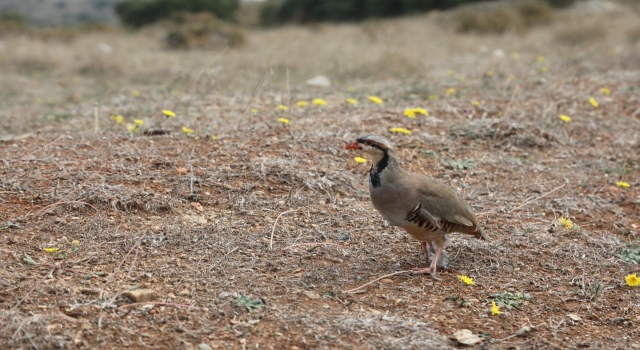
353,145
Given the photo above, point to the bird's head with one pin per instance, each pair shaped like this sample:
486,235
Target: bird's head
374,145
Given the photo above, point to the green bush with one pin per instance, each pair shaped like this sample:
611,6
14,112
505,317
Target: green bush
188,31
136,13
307,11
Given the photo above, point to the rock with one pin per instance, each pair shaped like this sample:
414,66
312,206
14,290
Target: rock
311,295
574,317
466,337
185,292
319,81
203,346
387,281
223,295
141,295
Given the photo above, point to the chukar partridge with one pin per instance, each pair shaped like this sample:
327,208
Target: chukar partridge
425,207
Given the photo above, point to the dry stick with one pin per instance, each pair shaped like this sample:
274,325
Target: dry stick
69,194
120,265
34,287
539,197
253,95
375,280
67,202
274,227
305,244
506,110
159,303
43,147
96,120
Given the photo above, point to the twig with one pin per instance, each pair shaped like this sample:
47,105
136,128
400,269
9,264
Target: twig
305,244
274,227
539,197
138,242
506,110
159,303
43,147
253,95
375,280
34,287
67,202
68,194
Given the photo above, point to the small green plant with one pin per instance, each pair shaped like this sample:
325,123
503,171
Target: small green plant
630,254
511,300
249,304
465,164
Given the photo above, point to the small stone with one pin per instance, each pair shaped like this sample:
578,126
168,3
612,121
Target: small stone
203,346
574,317
466,337
223,295
375,312
319,81
635,345
182,171
387,281
141,295
311,295
185,292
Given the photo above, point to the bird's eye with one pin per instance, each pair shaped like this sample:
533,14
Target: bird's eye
368,142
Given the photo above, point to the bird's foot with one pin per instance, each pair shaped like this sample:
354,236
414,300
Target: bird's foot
426,271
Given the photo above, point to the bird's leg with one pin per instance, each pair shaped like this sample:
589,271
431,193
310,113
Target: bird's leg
424,250
434,263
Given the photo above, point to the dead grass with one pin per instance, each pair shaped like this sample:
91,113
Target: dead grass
193,218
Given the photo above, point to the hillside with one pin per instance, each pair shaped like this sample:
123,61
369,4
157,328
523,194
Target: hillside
59,12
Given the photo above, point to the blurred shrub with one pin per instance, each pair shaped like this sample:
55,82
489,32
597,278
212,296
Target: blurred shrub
502,17
580,33
59,34
11,23
136,13
560,3
305,11
633,35
201,31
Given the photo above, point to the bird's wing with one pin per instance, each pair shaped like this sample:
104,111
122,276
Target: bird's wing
440,208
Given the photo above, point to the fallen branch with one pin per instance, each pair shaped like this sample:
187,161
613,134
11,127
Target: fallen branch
274,227
375,280
43,147
306,244
539,197
159,303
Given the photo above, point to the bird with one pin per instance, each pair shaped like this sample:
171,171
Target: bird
426,208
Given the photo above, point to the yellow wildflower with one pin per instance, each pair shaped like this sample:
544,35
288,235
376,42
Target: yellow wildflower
594,103
375,99
540,59
512,77
302,104
467,280
214,138
168,113
632,280
515,55
118,119
565,118
451,73
283,107
495,309
75,243
51,250
360,160
351,89
475,103
319,102
138,121
463,79
489,74
567,223
135,93
433,97
400,130
254,111
544,69
605,91
174,92
451,91
352,101
132,128
422,111
623,184
283,120
187,130
409,113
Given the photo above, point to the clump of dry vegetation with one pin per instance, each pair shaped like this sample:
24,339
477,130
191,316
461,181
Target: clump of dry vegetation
175,174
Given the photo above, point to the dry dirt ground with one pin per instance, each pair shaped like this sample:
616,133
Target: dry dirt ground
250,231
